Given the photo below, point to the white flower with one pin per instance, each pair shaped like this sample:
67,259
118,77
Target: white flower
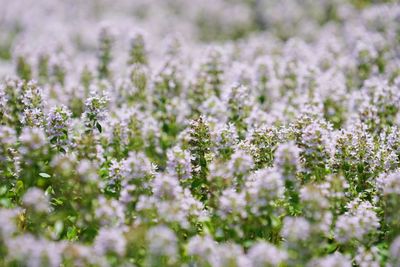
110,240
395,252
8,136
334,260
32,139
287,156
34,251
391,184
136,166
367,257
203,247
240,163
179,163
232,203
36,199
296,229
262,187
162,242
358,221
264,254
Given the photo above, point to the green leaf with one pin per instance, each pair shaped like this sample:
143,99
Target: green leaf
72,233
57,202
98,126
49,191
3,190
5,202
19,186
330,248
44,175
58,228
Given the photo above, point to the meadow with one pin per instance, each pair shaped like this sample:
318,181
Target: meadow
204,133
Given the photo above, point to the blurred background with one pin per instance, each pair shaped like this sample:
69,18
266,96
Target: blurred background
31,26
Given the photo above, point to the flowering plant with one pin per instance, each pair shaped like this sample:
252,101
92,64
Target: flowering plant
266,133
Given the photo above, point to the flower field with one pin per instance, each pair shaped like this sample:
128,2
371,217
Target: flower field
203,133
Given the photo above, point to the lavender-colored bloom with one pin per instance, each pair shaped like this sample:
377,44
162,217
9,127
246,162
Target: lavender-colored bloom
110,240
296,229
57,125
36,199
179,163
162,242
334,260
357,222
264,254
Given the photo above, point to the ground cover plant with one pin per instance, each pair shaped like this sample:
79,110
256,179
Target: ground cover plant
199,133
